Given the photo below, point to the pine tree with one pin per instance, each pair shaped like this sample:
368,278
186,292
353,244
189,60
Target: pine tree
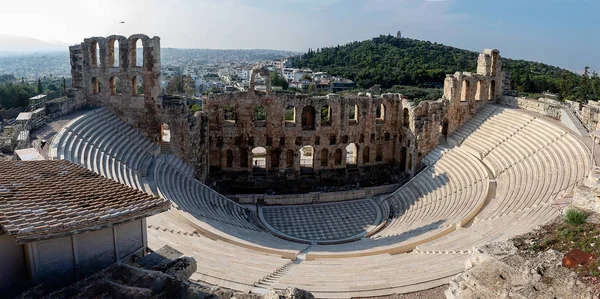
40,88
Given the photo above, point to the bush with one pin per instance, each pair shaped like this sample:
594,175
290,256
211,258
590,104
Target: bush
575,217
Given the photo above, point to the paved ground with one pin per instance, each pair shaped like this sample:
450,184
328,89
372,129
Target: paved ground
323,221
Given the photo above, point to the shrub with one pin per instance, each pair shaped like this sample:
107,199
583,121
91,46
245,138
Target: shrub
574,217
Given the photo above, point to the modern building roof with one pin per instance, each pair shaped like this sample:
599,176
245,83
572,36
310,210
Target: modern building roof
29,154
24,116
49,199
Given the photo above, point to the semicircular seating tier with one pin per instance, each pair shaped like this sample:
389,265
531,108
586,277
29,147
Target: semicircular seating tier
499,177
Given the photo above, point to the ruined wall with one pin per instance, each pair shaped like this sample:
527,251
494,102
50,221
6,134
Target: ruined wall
547,107
589,113
110,79
349,121
189,134
387,136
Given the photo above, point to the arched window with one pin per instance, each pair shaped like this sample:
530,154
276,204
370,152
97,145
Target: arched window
405,118
260,116
95,86
480,91
306,159
324,157
115,85
353,114
215,160
380,113
495,56
403,159
137,52
366,155
308,118
137,86
275,155
289,158
466,86
290,116
325,115
113,53
244,158
229,157
378,153
351,155
229,114
95,51
492,90
337,157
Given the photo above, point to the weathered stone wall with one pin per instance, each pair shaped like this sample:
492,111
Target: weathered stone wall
113,85
547,107
189,135
388,135
589,113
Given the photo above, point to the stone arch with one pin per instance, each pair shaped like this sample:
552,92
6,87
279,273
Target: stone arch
380,112
403,159
259,159
137,86
337,157
260,116
243,158
480,90
351,155
308,118
115,85
113,50
95,60
495,58
215,160
95,85
466,86
307,154
366,155
229,114
324,157
405,118
326,115
289,158
379,153
492,91
138,58
275,156
290,115
229,159
353,114
263,71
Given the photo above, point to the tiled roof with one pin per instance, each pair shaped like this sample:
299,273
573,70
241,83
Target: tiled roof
46,199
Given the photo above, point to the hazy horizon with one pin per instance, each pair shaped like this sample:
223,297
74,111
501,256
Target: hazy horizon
557,32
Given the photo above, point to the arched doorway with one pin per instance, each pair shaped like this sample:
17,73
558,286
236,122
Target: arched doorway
366,155
403,159
307,154
259,160
351,155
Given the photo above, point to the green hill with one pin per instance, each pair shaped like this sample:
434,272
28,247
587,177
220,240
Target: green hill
389,61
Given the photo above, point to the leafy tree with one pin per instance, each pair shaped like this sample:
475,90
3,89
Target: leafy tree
389,61
15,95
40,87
306,77
278,80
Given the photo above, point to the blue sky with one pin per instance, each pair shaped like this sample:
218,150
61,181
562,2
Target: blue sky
559,32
